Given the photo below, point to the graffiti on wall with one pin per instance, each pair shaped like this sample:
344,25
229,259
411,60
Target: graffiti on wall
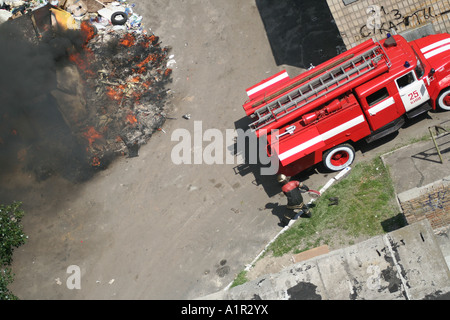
436,201
382,20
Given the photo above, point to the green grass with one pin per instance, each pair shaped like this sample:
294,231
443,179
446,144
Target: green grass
241,278
367,207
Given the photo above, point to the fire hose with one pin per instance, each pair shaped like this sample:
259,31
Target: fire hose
312,193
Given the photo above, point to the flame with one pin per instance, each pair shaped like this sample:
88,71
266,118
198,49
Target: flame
95,161
131,118
141,66
153,39
147,84
135,79
115,94
149,40
81,60
91,135
87,31
127,40
146,60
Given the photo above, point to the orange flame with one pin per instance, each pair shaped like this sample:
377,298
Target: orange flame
168,72
131,118
95,161
141,66
149,40
146,60
91,135
81,60
87,31
147,84
153,39
115,94
135,79
127,40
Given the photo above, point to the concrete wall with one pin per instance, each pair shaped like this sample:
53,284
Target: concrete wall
355,21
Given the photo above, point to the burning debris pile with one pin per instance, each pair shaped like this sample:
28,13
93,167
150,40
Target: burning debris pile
100,93
125,76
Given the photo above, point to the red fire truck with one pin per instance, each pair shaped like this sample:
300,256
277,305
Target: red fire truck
366,93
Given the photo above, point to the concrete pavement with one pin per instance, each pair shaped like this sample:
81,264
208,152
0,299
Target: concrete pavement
418,164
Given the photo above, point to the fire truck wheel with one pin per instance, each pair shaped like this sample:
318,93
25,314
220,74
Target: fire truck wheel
444,100
339,157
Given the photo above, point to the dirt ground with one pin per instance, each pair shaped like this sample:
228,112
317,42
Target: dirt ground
145,228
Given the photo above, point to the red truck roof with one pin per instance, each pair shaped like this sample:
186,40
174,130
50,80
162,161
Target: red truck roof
280,99
434,50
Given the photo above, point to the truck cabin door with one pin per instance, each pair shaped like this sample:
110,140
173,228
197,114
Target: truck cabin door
412,91
378,107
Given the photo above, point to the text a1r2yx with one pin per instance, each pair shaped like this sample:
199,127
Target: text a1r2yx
238,309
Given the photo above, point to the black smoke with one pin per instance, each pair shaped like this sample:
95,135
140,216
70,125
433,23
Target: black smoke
33,134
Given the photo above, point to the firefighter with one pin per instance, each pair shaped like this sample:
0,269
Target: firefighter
291,190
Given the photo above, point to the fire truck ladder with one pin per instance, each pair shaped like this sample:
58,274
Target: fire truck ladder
330,80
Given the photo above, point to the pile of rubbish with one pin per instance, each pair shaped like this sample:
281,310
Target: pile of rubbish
105,15
110,87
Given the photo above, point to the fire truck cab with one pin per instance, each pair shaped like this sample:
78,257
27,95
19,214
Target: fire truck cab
367,92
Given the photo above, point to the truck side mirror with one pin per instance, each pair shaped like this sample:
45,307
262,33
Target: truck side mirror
432,72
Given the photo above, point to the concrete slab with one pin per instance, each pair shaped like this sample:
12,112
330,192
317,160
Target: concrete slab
419,259
404,264
418,164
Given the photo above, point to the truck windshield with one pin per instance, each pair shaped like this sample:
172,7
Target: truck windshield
420,70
